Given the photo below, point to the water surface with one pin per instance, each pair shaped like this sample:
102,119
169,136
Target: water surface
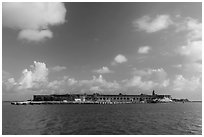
120,119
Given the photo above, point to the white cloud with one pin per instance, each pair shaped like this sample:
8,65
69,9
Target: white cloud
165,83
119,59
64,84
193,68
177,66
5,75
35,35
10,83
193,50
103,70
59,68
144,49
182,84
100,82
97,84
33,19
136,81
95,89
35,78
72,81
150,25
193,28
142,72
37,75
148,79
157,74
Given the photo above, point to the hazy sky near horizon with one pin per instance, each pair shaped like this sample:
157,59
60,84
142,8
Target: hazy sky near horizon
108,48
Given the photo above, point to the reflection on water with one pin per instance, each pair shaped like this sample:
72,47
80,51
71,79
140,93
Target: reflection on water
121,119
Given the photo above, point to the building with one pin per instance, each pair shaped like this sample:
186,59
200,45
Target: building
121,98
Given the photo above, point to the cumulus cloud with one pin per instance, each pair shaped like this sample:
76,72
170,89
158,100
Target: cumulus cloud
97,84
35,79
33,19
144,49
103,70
10,83
63,86
5,75
148,79
35,35
192,26
102,84
151,25
165,83
119,59
136,81
193,68
59,68
182,84
95,89
157,74
192,50
195,28
35,76
177,66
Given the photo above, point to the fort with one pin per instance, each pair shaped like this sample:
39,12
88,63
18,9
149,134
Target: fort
101,98
96,98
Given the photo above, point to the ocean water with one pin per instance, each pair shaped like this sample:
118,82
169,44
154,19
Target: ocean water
90,119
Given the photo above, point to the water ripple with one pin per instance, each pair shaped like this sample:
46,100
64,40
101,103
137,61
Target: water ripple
123,119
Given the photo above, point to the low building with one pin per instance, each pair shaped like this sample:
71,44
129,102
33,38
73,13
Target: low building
101,98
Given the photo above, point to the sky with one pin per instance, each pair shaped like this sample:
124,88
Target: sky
106,48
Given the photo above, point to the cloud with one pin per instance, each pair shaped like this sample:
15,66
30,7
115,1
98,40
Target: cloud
10,83
101,83
195,28
95,89
5,75
192,26
177,66
119,59
157,74
33,19
182,84
59,68
35,76
144,50
193,50
165,83
193,68
150,25
63,86
147,79
136,81
103,70
35,80
70,85
35,35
